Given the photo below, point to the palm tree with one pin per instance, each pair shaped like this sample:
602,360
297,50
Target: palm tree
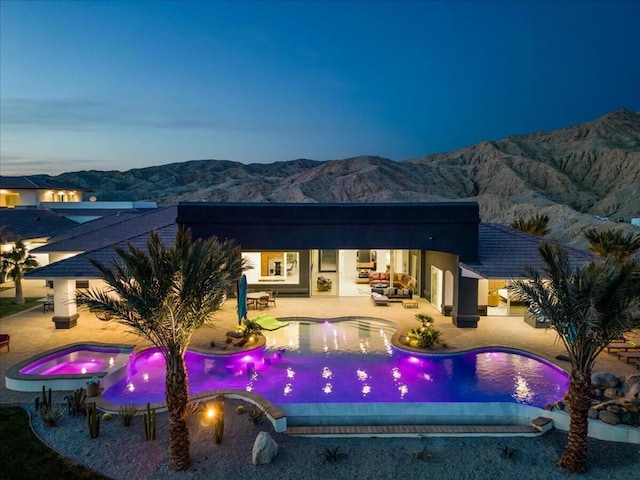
536,225
589,307
613,243
16,263
165,294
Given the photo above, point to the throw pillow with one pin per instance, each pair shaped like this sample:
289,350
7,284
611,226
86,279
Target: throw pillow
405,292
385,291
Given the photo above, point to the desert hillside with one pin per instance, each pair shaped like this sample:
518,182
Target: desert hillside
573,175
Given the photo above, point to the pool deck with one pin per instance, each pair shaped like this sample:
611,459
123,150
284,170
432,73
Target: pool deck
33,331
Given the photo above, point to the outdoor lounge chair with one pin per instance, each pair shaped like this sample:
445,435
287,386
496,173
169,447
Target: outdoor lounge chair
379,299
629,356
4,341
622,345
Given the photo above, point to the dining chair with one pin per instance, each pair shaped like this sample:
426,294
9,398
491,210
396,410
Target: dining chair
263,302
272,297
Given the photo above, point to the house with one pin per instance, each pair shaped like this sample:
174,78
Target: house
442,250
45,193
32,191
33,208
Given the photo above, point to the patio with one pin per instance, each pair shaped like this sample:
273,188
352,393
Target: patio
33,331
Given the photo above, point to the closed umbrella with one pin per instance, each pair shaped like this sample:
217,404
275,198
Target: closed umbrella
242,299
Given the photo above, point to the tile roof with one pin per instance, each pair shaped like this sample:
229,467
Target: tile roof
98,223
79,265
96,212
504,252
111,233
32,182
28,223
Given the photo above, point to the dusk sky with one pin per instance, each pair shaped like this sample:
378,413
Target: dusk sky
115,85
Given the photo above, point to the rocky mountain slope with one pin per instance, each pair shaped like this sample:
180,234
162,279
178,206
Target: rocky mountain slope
572,175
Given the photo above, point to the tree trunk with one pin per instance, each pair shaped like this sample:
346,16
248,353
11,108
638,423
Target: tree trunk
177,397
19,299
574,457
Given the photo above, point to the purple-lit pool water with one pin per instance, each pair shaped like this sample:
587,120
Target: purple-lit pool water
80,361
350,362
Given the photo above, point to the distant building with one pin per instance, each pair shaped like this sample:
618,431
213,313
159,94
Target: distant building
31,191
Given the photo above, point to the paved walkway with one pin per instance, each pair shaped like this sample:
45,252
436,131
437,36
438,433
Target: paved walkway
33,332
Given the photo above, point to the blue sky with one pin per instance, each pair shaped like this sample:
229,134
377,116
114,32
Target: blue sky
127,84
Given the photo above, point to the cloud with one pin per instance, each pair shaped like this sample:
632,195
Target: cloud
81,115
85,114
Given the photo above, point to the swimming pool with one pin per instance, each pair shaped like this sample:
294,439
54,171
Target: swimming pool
350,362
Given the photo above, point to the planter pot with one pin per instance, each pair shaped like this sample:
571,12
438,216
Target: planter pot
93,389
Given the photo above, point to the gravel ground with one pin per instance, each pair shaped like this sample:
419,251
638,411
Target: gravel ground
122,453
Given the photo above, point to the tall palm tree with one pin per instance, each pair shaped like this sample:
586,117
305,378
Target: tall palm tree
165,294
589,307
536,225
613,243
16,263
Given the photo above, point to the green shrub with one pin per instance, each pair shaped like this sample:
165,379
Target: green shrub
256,414
49,415
425,336
126,414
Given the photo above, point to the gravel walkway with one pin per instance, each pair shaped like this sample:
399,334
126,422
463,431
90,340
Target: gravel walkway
122,453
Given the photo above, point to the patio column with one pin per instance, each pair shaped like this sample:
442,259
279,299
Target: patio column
65,314
465,310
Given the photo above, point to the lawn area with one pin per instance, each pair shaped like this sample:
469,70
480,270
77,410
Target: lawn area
24,456
7,307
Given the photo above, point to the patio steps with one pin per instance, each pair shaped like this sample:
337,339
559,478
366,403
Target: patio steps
414,431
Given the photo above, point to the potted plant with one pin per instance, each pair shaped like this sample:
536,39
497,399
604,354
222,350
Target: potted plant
93,387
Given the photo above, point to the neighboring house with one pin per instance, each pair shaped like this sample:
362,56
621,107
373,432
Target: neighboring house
35,208
42,192
32,191
440,251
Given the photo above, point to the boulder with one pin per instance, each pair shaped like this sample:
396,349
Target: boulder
593,413
629,418
264,450
611,393
560,405
632,384
609,417
604,380
614,408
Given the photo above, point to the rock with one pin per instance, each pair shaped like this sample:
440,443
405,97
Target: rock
593,413
613,408
604,380
560,405
629,418
632,384
611,393
597,392
264,449
609,417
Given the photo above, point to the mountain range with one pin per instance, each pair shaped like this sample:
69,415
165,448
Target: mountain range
573,175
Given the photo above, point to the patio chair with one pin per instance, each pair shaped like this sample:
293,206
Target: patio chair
272,298
4,341
263,302
628,356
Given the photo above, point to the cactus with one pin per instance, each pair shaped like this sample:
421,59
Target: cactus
93,420
218,421
149,423
45,402
75,402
